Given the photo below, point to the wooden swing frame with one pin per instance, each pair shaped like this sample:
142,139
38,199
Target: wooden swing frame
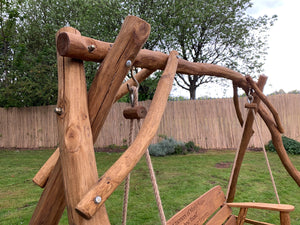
69,177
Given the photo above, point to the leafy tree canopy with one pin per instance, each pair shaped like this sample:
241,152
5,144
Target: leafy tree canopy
210,31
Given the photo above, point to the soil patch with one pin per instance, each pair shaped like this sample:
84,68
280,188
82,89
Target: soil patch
222,165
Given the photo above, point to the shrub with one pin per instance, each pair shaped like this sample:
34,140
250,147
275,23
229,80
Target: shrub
165,147
291,146
169,146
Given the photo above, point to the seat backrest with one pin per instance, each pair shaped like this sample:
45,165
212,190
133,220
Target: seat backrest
203,208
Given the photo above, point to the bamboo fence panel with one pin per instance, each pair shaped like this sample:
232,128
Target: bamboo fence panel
210,123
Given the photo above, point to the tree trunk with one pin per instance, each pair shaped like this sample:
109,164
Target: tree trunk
193,80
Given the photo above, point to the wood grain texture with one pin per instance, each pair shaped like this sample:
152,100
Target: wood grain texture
122,167
133,34
76,142
266,206
52,202
137,112
199,210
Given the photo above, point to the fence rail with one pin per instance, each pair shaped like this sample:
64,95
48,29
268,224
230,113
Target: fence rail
209,123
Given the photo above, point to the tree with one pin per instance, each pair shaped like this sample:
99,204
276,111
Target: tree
217,32
32,77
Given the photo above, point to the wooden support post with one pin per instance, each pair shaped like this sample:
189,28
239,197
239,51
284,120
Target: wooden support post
247,134
122,167
242,216
133,35
152,60
76,142
285,218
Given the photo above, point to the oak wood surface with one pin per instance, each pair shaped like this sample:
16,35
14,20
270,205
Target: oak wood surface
145,59
201,209
122,167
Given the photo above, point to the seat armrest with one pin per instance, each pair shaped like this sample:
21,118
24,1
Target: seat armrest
258,205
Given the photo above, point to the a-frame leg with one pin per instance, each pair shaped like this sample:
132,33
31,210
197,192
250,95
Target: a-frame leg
246,136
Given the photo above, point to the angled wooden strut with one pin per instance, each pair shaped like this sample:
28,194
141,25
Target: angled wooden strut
122,167
131,38
246,136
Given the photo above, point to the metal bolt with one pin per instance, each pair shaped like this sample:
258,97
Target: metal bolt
58,110
97,199
91,48
128,63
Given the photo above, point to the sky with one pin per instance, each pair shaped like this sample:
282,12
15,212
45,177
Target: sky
283,53
284,45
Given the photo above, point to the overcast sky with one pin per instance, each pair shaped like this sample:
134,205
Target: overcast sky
284,44
284,48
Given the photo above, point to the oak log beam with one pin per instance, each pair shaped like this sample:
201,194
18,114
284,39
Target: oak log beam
122,167
43,174
278,144
133,34
77,155
71,46
246,136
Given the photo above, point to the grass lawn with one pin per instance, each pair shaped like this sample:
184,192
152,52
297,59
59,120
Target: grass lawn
181,179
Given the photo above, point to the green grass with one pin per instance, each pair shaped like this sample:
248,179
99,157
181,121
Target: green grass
181,179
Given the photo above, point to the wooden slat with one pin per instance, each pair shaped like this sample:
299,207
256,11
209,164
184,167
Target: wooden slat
267,206
221,216
254,222
122,167
201,209
231,221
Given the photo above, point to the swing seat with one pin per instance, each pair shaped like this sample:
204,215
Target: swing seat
211,209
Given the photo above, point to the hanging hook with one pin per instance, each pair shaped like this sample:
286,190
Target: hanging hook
250,96
130,89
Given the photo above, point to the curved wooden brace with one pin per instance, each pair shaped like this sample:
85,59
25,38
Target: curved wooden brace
237,105
277,141
122,167
267,102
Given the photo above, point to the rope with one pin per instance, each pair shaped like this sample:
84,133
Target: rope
127,180
155,186
151,171
266,157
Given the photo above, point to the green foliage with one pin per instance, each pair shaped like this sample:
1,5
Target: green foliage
181,180
218,32
167,146
291,146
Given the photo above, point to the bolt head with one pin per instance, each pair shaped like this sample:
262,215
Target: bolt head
91,48
128,63
97,199
58,110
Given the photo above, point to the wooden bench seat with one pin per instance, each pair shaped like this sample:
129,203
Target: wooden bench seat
211,209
